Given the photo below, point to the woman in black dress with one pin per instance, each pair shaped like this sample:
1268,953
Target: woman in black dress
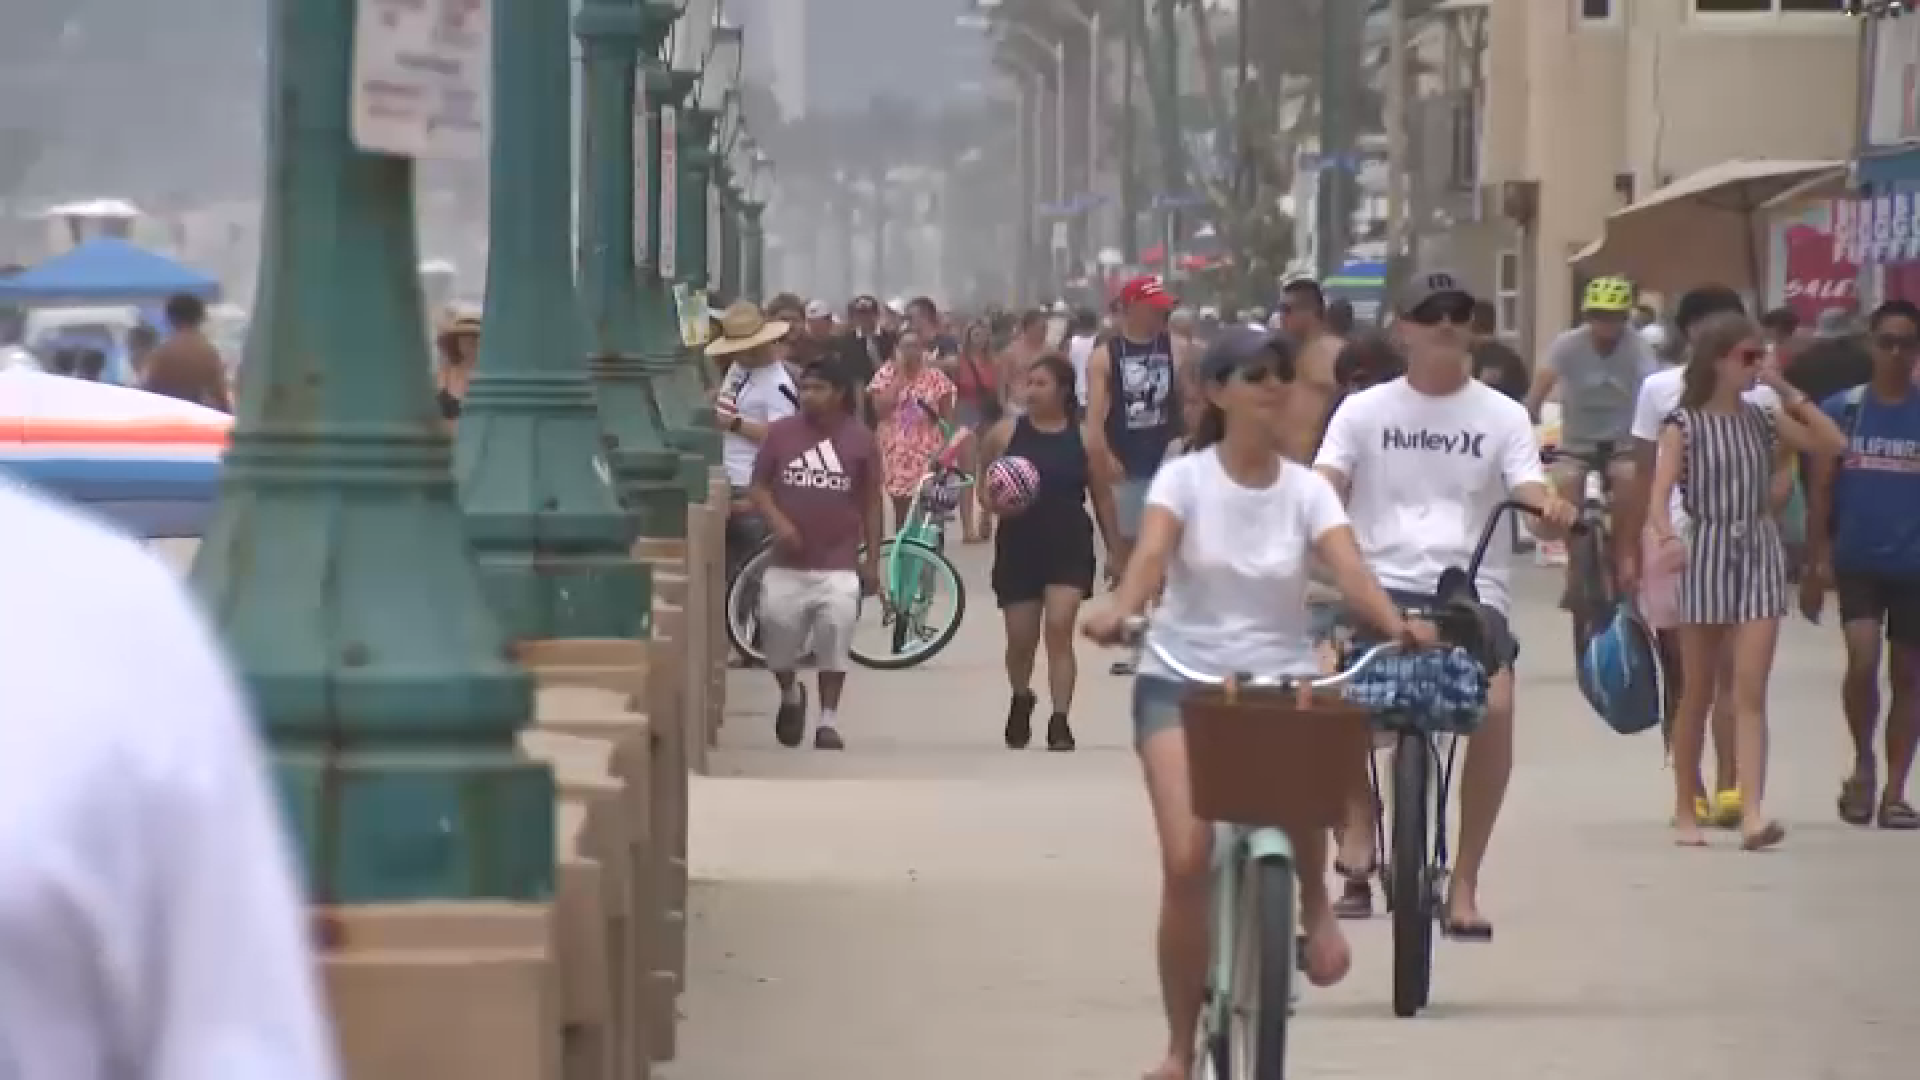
1043,558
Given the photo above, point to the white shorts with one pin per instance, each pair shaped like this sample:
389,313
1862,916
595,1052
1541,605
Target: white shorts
802,607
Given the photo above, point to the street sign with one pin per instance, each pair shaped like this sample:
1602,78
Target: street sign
669,191
422,74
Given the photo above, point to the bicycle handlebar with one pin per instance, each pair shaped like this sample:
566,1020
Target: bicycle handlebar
1136,627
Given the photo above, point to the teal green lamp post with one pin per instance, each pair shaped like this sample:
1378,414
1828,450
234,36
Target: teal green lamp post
337,565
552,541
753,238
729,240
614,241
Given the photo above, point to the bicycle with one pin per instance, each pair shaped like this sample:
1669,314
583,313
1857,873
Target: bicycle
1425,712
914,569
1232,757
1591,592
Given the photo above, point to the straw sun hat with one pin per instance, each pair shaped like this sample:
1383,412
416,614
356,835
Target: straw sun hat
742,327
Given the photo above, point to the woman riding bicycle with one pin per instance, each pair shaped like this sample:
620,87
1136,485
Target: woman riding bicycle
1229,530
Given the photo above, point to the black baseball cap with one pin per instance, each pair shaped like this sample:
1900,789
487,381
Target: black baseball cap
1431,285
1240,346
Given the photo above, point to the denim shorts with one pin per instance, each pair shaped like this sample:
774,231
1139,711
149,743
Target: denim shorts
1156,706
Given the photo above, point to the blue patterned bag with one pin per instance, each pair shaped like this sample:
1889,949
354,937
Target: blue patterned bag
1442,691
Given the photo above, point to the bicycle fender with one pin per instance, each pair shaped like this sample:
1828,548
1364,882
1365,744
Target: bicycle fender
1269,843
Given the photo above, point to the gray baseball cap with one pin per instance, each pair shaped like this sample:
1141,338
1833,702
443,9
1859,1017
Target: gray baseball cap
1238,346
1428,284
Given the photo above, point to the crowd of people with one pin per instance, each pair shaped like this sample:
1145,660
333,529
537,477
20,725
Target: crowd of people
1244,475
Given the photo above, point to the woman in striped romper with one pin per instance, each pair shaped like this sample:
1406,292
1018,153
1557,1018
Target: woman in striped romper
1723,453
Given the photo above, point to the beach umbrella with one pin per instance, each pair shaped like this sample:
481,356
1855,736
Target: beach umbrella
148,461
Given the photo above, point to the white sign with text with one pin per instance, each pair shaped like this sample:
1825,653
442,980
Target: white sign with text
422,76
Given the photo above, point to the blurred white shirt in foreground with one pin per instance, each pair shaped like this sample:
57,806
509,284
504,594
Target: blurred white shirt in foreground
150,925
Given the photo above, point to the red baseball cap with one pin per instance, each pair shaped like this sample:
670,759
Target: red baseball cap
1146,290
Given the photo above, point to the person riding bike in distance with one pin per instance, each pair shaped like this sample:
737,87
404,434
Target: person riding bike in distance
1597,367
1423,462
1228,530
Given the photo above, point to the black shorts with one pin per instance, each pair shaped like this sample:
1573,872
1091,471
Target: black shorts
1028,561
1894,602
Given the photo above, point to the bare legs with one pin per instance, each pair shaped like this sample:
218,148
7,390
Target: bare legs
1745,650
1860,697
1186,850
1721,731
1023,622
1060,614
1483,788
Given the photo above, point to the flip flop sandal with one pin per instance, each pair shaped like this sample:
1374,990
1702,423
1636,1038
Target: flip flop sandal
1767,837
1727,807
1856,801
1898,815
1474,933
1356,900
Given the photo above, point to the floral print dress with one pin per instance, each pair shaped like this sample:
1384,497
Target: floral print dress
909,438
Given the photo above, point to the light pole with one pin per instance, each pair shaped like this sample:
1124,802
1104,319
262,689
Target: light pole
759,188
337,566
614,35
1089,21
711,51
551,539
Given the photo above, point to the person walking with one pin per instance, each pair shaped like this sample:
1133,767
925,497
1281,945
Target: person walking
912,401
816,483
756,391
975,375
458,345
1864,542
1722,453
1043,558
153,921
186,365
1133,404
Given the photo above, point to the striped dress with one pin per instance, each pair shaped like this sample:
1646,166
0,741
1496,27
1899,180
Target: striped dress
1736,564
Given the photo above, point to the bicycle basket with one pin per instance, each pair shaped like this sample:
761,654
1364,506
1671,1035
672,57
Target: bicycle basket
942,497
1265,757
1438,691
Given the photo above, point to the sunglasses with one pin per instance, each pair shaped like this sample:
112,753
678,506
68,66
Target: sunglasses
1458,312
1897,343
1253,372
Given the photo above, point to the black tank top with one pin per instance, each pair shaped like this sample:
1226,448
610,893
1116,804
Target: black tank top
1143,410
1061,458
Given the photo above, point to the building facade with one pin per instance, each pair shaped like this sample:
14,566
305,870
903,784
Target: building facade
1578,107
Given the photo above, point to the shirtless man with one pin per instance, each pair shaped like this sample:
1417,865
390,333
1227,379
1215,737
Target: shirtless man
1029,344
1303,315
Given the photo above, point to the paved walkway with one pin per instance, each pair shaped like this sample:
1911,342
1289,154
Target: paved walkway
932,906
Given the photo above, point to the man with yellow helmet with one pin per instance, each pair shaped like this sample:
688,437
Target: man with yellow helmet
1597,368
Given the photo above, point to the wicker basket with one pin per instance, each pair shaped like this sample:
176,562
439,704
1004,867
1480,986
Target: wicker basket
1274,757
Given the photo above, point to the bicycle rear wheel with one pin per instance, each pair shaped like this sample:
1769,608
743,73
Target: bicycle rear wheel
1253,1045
743,605
1410,883
919,615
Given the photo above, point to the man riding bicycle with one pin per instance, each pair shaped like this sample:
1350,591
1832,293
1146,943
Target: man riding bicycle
1422,462
1597,367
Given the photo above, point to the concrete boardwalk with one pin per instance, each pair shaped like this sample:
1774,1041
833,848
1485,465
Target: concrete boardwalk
932,906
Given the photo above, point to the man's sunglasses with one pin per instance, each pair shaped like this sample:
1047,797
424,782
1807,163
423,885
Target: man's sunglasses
1253,372
1897,343
1459,312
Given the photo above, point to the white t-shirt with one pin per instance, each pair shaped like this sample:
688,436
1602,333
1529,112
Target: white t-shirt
1236,596
1079,351
148,904
1423,475
757,395
1659,396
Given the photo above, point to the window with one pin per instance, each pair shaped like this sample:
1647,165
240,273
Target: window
1596,10
1506,295
1767,7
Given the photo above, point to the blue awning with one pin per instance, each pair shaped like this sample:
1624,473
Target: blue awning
1889,170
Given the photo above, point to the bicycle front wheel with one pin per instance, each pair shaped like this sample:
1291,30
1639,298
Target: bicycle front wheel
743,605
1410,883
1590,594
923,600
1260,988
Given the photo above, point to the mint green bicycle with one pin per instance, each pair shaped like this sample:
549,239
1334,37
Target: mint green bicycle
922,597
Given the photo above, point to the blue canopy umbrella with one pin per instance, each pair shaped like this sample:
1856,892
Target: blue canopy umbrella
105,270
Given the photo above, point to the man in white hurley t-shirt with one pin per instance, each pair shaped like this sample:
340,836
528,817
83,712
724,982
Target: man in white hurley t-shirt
1423,462
756,390
153,928
1656,570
